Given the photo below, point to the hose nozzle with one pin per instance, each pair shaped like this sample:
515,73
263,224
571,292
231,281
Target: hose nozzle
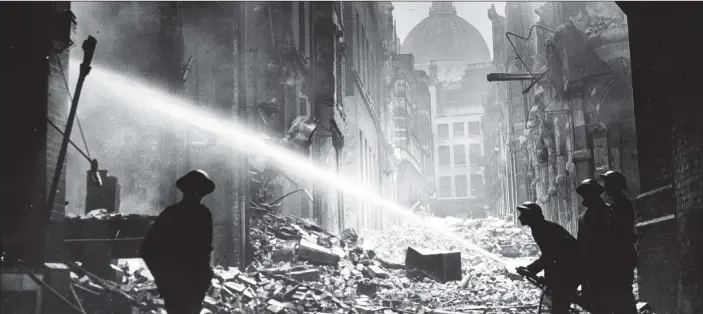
94,173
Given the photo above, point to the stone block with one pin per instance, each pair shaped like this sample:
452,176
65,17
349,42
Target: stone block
377,272
441,266
317,254
58,276
368,310
306,275
366,287
247,280
275,306
284,252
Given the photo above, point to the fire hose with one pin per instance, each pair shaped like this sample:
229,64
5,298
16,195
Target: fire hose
541,283
88,52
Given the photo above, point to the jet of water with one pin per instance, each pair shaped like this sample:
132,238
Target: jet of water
135,93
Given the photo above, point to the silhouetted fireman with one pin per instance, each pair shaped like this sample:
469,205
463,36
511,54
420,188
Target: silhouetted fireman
593,241
177,249
622,251
559,258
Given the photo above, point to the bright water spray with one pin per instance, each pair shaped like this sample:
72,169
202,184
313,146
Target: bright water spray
146,98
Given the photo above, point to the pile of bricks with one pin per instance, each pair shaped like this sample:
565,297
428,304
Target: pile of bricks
300,268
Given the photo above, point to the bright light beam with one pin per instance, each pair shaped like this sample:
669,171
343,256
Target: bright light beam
146,97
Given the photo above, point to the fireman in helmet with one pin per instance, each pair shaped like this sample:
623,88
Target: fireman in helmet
559,256
623,254
177,249
593,240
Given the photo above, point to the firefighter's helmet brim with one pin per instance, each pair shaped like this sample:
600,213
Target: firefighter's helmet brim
197,182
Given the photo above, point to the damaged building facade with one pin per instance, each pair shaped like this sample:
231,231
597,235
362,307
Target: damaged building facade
409,100
335,62
577,120
293,54
368,157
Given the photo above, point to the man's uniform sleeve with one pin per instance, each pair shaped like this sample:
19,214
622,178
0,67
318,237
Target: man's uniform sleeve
560,242
538,265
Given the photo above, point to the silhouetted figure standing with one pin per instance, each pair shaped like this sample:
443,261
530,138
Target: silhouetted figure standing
559,258
593,240
177,249
622,252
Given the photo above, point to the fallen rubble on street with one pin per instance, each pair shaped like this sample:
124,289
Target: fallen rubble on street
300,268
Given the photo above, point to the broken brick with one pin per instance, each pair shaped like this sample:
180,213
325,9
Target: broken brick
377,272
366,287
275,306
317,254
305,275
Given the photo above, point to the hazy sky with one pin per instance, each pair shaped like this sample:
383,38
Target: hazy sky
409,14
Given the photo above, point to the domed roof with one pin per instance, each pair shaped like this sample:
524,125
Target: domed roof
445,36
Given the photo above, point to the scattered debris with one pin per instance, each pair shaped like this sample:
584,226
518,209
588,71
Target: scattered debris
300,268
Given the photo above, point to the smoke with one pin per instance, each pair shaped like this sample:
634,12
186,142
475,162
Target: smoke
124,142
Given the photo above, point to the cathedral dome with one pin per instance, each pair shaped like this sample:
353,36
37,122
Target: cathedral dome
445,37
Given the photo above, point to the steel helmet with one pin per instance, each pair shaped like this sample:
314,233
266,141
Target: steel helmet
590,187
616,178
196,182
530,208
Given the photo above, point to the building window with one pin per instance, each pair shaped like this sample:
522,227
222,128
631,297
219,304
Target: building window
459,155
444,156
458,129
474,154
445,187
476,184
474,128
443,130
461,187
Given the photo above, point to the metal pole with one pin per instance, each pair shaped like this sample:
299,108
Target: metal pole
242,111
88,51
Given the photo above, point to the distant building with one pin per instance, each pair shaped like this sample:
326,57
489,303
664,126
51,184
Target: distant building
410,102
456,57
448,39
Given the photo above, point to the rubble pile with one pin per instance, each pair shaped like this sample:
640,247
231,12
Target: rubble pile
491,234
300,268
102,214
487,280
